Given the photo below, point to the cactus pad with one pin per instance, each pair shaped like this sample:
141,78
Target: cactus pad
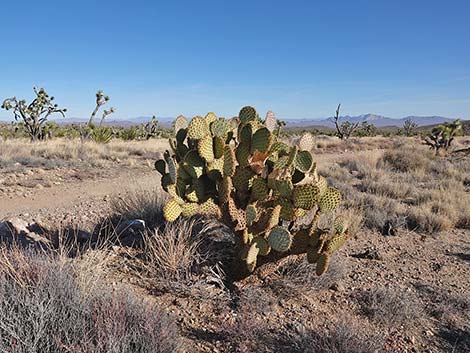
219,147
270,121
262,245
210,117
251,214
261,140
225,189
190,209
180,123
330,200
205,148
280,239
335,243
160,166
171,210
219,128
322,264
259,189
306,142
247,114
198,128
304,161
306,196
229,161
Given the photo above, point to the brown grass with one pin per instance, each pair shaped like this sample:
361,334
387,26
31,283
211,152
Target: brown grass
18,153
404,186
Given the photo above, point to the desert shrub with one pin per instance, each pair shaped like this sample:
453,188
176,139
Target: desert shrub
139,204
296,277
406,159
247,331
49,304
346,335
391,307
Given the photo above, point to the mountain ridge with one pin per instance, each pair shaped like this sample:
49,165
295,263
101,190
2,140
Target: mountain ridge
376,119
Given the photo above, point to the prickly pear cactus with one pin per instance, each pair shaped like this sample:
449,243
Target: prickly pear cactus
267,191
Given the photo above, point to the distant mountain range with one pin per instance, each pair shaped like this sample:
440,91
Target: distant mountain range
378,120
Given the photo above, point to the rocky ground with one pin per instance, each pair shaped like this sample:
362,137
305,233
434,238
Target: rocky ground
403,293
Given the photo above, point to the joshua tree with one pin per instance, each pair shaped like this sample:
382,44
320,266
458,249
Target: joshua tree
150,129
101,99
442,136
35,114
409,127
345,129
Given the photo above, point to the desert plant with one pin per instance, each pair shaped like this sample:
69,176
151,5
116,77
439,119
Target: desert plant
129,134
49,304
346,128
150,129
237,170
35,114
101,134
409,127
101,99
442,136
366,129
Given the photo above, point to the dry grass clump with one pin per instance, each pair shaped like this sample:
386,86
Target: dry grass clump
297,277
345,335
405,186
146,205
330,144
16,153
391,307
50,304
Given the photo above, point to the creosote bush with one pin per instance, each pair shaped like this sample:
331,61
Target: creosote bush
262,188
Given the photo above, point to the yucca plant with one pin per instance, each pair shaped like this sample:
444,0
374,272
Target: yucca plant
267,191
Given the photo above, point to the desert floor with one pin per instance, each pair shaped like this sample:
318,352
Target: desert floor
401,284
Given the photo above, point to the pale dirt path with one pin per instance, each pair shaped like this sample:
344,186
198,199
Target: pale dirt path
68,195
78,197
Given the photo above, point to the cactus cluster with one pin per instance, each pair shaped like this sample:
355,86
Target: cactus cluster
266,190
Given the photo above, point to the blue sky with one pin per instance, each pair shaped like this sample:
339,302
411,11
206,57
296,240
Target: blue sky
298,58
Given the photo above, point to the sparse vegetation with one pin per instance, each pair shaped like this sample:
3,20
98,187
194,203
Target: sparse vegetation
34,115
48,304
345,129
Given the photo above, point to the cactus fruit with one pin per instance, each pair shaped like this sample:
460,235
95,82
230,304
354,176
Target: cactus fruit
239,171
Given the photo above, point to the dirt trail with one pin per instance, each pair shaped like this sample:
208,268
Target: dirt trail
68,195
77,197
